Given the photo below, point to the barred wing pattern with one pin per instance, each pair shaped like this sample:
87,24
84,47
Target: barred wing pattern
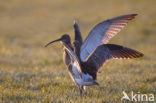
121,52
102,32
105,52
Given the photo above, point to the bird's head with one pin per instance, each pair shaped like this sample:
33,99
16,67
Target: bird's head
64,38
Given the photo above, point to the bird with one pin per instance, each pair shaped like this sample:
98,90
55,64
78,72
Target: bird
87,58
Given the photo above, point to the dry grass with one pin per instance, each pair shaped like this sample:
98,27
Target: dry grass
31,73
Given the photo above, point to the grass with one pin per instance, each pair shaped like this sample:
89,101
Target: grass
31,73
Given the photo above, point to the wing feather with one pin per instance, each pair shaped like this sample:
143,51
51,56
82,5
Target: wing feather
105,52
78,36
102,33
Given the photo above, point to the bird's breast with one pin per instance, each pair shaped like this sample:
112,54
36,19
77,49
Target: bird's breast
66,58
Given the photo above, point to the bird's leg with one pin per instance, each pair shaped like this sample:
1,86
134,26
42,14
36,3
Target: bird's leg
85,89
74,91
80,88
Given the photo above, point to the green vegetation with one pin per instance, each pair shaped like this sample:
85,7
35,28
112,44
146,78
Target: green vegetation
31,73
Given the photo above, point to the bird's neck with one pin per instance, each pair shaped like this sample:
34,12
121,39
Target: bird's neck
69,44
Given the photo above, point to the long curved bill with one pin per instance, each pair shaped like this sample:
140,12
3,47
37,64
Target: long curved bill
53,42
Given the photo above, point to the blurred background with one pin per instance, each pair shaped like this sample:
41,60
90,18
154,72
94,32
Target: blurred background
31,73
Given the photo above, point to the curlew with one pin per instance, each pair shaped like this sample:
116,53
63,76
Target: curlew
85,59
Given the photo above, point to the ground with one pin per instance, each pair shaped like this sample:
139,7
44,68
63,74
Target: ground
31,73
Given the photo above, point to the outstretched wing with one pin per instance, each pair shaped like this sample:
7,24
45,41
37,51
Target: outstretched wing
78,36
105,52
75,63
121,52
102,32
